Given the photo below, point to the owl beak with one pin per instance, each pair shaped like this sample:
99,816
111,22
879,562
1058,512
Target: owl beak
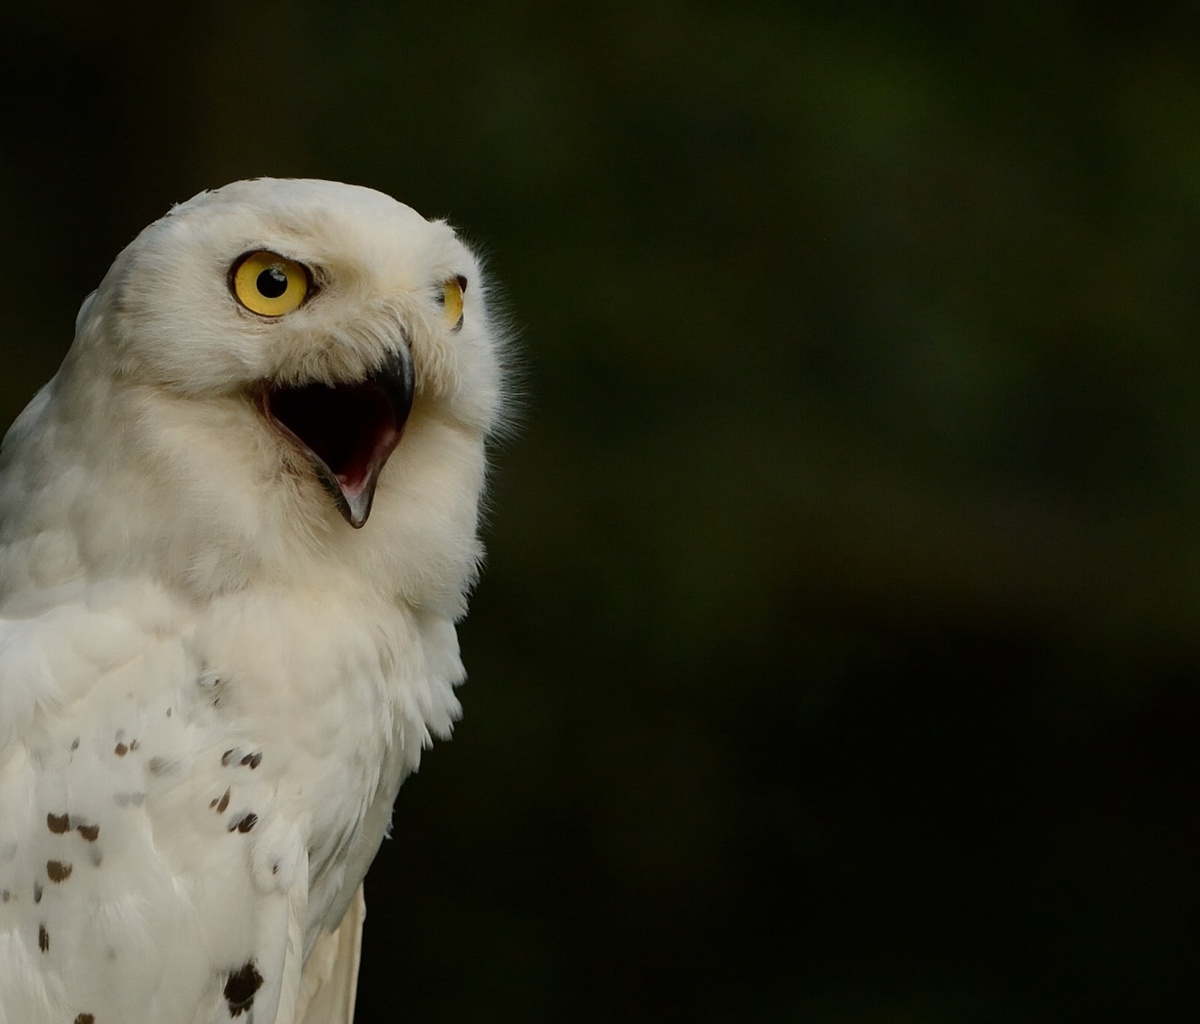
347,431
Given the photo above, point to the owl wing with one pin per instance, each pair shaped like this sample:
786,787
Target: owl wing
329,982
147,870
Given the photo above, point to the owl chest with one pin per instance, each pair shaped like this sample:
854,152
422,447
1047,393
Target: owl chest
242,738
206,768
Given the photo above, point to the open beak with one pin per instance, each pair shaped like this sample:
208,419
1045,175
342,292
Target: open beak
348,430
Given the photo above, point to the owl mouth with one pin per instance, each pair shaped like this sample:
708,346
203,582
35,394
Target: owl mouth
346,430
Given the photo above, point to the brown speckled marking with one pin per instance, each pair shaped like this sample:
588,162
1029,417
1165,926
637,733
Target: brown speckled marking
221,802
58,871
58,823
160,765
89,832
85,1018
75,743
37,892
133,744
241,987
43,938
251,761
227,757
5,896
121,750
169,710
245,824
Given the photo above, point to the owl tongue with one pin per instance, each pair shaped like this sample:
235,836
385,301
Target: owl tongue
347,430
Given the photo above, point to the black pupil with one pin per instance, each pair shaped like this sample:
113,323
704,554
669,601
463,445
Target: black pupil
272,283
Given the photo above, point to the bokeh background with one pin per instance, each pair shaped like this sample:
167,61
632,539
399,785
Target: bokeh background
837,657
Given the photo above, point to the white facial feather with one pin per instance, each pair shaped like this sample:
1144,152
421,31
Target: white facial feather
211,682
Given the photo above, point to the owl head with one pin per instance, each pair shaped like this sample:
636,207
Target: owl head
268,367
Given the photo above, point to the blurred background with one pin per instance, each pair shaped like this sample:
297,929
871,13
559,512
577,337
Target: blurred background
837,657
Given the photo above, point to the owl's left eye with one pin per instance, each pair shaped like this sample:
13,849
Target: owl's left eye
269,284
451,301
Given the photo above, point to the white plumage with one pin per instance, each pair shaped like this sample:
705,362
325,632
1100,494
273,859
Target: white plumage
211,682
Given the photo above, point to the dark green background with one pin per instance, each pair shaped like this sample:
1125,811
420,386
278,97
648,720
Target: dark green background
837,656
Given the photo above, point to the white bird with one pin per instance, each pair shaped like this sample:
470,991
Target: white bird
215,669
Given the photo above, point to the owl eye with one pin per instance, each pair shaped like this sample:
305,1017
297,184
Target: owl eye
451,301
269,284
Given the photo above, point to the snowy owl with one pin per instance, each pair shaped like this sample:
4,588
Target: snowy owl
237,529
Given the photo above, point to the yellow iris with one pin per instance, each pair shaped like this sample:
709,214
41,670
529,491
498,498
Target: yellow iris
269,284
452,300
